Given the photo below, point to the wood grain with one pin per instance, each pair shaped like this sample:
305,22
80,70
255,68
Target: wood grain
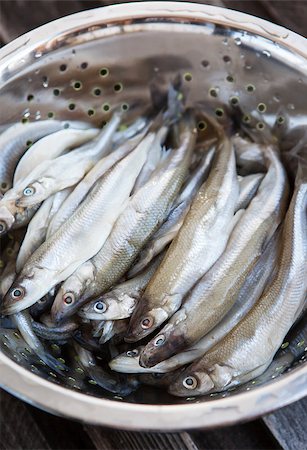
18,429
289,425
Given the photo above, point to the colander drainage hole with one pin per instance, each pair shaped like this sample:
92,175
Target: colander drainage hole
205,63
118,87
187,76
213,92
104,72
201,125
96,92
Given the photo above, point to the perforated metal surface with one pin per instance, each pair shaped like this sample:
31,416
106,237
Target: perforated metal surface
85,66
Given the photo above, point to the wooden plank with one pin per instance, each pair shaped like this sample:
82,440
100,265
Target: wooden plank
252,436
18,429
289,425
106,439
61,433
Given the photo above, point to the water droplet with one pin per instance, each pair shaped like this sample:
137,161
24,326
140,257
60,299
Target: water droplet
248,66
225,41
266,53
45,82
26,113
238,41
291,106
38,54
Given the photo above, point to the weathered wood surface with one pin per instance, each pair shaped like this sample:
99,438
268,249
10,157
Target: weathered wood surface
25,427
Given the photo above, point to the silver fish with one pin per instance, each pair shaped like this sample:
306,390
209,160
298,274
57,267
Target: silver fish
114,383
198,244
15,140
58,333
51,263
57,143
250,292
169,229
23,322
120,302
146,209
249,348
216,292
66,170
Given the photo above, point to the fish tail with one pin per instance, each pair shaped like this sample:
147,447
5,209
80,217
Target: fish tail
52,362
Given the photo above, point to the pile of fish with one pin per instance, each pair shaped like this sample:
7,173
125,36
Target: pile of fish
158,253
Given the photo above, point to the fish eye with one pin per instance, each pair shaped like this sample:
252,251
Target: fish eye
147,323
17,293
2,227
159,340
100,307
28,191
132,353
4,186
190,382
68,299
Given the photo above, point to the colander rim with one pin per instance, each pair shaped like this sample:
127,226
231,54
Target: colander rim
51,397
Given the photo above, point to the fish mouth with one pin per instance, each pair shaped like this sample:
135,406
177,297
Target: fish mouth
7,220
162,347
8,309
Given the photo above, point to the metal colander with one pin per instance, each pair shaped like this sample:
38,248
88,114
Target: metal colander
83,67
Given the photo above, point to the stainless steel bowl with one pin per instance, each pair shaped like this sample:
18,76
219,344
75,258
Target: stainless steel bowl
81,66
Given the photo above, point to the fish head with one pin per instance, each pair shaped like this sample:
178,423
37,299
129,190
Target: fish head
170,340
68,300
109,307
24,292
7,220
143,323
127,362
190,383
31,195
197,380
